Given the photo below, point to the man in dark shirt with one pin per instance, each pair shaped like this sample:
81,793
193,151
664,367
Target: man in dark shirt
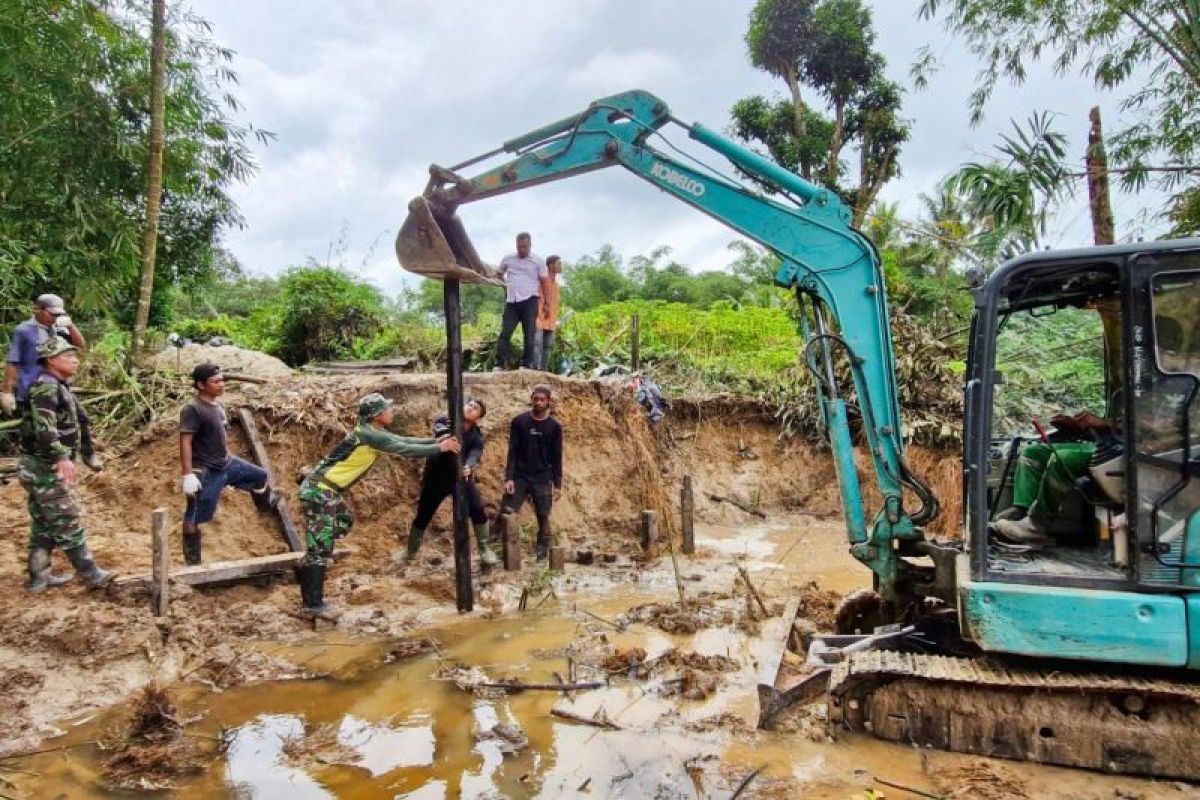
438,482
207,466
534,466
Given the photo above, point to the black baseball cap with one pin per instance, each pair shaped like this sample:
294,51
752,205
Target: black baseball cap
203,372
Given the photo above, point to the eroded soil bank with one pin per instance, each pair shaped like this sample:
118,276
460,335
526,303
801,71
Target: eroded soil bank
388,703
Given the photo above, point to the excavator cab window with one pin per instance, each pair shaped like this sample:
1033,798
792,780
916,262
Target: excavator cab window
1055,472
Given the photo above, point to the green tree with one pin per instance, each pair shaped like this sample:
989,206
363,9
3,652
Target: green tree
325,313
1114,42
778,41
595,280
74,111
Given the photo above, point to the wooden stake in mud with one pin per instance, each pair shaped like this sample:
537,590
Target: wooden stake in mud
558,558
649,529
687,510
160,563
511,536
464,592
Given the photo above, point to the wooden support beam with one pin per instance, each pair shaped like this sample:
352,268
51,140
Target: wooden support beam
510,528
160,561
687,512
649,529
286,525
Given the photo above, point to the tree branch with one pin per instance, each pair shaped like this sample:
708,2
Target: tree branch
1152,29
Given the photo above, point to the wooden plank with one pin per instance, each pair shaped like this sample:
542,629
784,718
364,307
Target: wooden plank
687,513
160,562
218,571
770,701
558,558
286,525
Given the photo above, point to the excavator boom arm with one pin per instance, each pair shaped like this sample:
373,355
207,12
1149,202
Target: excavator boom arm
822,258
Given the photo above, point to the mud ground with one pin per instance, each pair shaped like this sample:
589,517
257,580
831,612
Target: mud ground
69,658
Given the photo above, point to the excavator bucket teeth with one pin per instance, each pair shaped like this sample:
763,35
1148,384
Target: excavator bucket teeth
435,244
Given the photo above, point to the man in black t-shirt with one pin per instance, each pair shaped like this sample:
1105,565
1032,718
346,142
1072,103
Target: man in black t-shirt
438,482
207,466
534,466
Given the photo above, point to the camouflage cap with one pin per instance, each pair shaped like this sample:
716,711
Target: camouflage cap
55,345
372,405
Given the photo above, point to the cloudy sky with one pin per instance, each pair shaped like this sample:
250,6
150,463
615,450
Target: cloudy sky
364,94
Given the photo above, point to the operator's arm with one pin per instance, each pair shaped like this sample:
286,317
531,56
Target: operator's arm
185,453
390,443
76,337
474,453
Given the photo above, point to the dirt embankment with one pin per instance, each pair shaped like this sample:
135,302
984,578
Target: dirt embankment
67,652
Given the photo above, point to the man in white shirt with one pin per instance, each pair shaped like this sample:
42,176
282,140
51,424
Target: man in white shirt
526,281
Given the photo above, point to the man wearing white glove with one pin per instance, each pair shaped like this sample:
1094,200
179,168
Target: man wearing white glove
206,464
49,319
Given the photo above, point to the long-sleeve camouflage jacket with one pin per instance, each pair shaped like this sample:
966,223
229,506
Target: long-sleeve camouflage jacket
50,425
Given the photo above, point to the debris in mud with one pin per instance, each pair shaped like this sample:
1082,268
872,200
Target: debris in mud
153,750
411,647
625,662
317,746
725,721
811,721
700,612
696,685
974,778
510,738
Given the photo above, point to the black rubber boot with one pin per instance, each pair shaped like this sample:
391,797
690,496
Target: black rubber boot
93,577
483,540
543,547
191,544
265,499
40,576
313,579
415,535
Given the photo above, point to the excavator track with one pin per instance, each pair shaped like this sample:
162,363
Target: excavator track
1108,722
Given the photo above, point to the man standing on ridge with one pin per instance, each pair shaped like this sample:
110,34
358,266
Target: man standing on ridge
50,441
526,281
327,517
547,320
534,466
49,319
206,464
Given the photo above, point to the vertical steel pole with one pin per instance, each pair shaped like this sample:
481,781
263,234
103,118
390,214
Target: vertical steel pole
464,593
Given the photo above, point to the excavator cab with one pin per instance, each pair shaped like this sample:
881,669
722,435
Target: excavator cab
1111,571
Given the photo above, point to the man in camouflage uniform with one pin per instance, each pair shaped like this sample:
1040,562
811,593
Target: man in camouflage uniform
50,441
327,518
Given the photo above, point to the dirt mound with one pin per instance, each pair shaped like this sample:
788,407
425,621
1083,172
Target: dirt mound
230,358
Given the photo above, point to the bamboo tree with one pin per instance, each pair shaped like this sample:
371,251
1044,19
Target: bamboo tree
158,60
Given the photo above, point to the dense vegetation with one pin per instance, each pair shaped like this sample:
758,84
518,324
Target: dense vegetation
74,105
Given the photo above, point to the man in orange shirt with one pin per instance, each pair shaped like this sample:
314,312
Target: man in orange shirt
547,319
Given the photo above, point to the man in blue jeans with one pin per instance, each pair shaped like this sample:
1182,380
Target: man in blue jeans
207,466
526,282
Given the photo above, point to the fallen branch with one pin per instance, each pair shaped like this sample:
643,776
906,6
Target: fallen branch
234,376
754,592
718,498
596,722
745,782
598,618
908,789
517,686
566,692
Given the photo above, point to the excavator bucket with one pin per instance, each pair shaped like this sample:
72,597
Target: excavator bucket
435,244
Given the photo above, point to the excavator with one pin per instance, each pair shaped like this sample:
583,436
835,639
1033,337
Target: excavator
1082,651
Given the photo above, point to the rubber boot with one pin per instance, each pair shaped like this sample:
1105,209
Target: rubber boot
484,541
191,544
312,579
543,547
40,576
85,565
90,459
265,499
415,535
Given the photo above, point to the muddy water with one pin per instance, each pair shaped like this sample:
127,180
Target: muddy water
398,730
